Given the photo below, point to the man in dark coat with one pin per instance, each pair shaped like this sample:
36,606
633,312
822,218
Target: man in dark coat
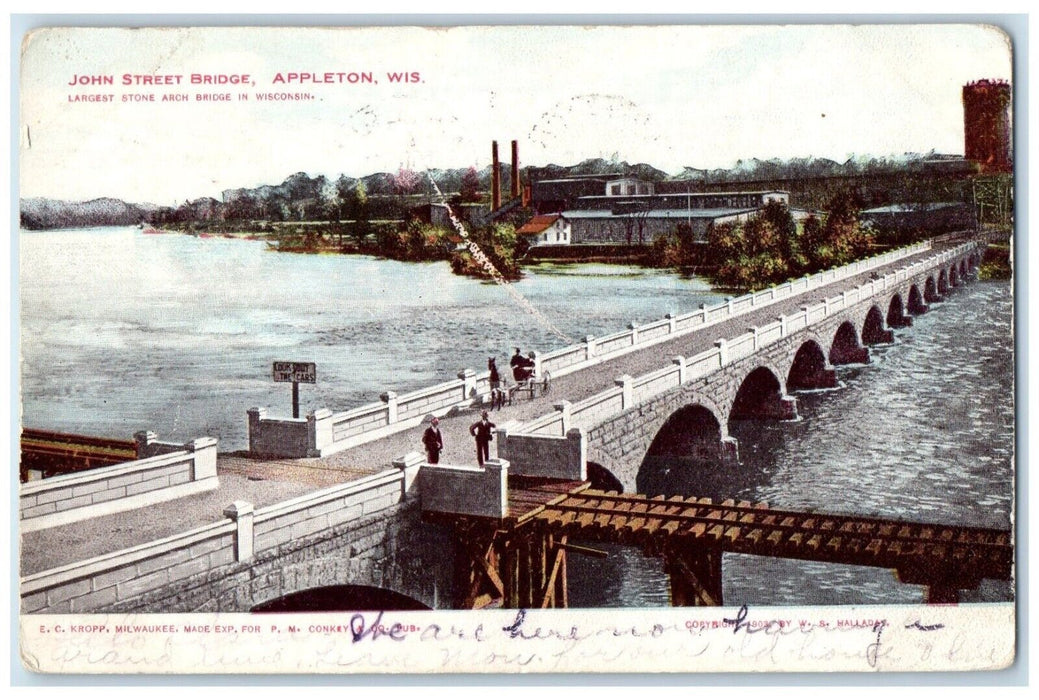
483,431
522,367
433,441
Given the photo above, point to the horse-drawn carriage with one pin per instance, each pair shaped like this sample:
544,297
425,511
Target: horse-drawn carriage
531,383
525,380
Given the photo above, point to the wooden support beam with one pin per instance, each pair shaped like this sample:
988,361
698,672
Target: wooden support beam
580,549
561,598
695,576
491,572
942,595
511,573
537,566
548,593
477,579
524,590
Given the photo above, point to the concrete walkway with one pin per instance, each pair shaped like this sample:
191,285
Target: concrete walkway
265,482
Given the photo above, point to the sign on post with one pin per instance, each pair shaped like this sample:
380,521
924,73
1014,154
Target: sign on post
295,372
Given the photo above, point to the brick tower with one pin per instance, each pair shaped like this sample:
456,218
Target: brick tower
986,125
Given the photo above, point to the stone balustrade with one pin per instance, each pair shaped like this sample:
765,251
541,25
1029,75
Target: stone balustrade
166,472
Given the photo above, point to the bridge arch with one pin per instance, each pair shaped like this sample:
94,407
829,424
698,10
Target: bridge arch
602,478
873,329
931,294
340,598
896,315
943,282
916,304
954,277
846,348
762,395
810,370
692,440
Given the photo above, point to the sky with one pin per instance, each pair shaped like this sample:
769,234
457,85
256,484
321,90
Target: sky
670,96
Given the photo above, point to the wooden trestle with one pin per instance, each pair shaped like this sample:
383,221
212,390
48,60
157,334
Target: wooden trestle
516,561
520,560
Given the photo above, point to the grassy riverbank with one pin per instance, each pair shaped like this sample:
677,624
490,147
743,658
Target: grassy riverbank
996,263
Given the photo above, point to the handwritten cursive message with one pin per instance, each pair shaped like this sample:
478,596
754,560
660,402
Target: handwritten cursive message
552,641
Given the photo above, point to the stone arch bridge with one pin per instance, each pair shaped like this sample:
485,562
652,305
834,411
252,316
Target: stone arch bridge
753,376
370,533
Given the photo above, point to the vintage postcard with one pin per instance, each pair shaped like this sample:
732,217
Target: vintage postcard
501,349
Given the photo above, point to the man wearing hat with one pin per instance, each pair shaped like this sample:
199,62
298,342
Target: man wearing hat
433,441
482,430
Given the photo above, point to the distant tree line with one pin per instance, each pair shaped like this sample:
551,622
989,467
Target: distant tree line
388,196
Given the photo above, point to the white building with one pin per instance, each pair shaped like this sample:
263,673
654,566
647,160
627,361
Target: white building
546,229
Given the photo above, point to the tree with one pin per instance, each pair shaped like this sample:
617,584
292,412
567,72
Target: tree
499,245
755,253
843,238
469,191
405,182
635,221
343,187
357,208
331,202
811,238
678,248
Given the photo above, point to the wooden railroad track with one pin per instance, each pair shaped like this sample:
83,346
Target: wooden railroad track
962,554
520,560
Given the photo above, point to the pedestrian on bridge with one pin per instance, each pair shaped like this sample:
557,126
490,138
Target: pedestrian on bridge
482,430
497,394
433,441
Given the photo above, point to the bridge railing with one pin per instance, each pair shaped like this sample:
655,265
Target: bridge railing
170,471
656,382
593,410
545,456
140,571
466,490
636,337
324,432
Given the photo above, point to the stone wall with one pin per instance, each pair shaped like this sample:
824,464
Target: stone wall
464,490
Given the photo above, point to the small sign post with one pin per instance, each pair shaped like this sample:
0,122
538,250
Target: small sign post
295,372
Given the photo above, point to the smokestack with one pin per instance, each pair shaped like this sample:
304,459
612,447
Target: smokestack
514,186
495,178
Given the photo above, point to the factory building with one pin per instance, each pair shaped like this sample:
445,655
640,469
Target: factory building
626,210
930,218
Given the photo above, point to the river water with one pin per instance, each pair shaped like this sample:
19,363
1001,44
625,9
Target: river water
123,331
